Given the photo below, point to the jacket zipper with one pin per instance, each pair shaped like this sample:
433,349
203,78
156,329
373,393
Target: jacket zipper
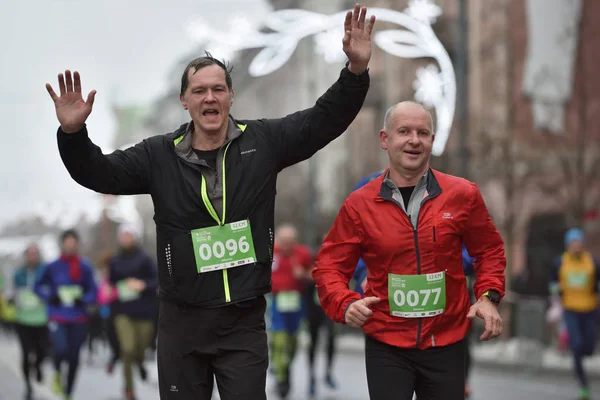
420,323
220,221
168,259
418,253
207,202
271,244
416,237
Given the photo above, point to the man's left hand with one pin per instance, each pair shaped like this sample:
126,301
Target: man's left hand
487,311
357,39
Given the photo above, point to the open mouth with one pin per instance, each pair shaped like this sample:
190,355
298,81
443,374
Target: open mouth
210,113
413,153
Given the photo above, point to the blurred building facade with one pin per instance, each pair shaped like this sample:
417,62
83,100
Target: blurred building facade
533,151
533,125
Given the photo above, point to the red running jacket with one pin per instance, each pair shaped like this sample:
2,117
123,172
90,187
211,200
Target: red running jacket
371,224
282,275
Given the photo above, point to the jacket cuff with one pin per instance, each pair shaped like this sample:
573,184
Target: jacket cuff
352,79
482,291
79,137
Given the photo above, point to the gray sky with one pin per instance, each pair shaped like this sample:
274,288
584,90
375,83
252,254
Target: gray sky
123,47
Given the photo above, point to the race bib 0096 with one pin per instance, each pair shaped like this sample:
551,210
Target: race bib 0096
223,246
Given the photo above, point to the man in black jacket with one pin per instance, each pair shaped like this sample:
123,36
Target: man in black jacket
213,183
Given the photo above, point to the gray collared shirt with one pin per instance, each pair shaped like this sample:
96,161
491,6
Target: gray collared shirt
214,180
416,198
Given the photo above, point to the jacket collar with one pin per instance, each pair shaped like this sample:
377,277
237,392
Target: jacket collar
183,140
432,185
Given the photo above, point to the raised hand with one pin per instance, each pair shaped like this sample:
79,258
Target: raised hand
71,110
357,38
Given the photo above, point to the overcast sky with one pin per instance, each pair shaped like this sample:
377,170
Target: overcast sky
123,49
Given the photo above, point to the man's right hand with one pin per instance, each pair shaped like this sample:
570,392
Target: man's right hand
71,110
360,311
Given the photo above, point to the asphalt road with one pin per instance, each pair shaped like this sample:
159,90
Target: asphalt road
94,384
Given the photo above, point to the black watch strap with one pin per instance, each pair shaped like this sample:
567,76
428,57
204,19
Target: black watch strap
493,296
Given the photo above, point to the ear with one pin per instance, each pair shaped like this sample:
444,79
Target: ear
384,139
183,101
231,95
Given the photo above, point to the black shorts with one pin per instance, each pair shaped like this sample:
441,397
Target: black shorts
436,373
197,344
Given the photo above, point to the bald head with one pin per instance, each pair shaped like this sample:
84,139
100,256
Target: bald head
407,136
409,107
286,237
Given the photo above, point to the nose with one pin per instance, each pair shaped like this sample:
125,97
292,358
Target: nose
209,96
414,137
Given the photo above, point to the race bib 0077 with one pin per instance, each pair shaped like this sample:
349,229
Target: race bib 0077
417,296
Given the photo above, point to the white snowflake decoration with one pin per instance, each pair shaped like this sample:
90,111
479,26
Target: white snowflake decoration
434,88
328,44
428,86
240,28
423,10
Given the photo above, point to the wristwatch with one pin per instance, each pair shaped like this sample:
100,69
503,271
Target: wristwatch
493,296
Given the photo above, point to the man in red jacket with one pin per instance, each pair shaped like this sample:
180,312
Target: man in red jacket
409,226
292,263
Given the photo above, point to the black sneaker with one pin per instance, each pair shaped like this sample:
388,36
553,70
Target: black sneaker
312,389
143,372
39,376
330,382
283,389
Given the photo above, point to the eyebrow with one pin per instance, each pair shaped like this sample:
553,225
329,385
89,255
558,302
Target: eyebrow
408,127
218,85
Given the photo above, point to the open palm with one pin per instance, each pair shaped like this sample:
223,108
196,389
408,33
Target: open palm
357,38
71,110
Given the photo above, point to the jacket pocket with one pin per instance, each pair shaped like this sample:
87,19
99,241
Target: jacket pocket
192,286
446,235
447,247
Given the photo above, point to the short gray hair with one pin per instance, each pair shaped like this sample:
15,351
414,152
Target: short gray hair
388,116
390,112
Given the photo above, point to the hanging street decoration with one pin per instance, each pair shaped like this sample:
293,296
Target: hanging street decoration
281,31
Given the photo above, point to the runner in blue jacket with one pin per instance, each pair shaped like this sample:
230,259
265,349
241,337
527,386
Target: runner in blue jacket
68,287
